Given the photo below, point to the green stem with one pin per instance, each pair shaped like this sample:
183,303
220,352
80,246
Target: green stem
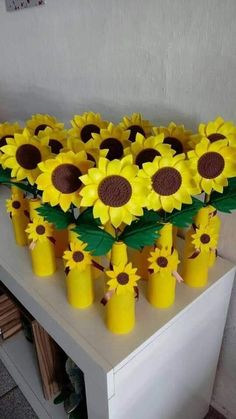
207,198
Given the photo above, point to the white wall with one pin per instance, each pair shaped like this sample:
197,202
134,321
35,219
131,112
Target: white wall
170,59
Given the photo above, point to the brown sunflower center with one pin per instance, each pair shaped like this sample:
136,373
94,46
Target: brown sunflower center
146,155
123,278
3,140
205,238
65,178
115,191
166,181
78,256
114,146
55,145
41,127
40,230
90,157
134,130
16,204
28,156
162,261
175,144
215,137
87,131
211,165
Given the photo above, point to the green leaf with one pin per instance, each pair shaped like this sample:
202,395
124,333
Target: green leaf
226,201
99,242
55,215
86,217
184,217
5,175
142,232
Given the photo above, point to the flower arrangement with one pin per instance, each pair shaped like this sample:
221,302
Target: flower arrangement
122,185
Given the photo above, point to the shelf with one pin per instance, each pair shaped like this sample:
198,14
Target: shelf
19,357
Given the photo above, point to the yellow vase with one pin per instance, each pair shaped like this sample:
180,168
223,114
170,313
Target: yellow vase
61,241
166,237
80,291
119,254
161,290
34,203
120,313
216,222
19,223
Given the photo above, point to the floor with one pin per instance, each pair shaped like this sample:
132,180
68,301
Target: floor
13,405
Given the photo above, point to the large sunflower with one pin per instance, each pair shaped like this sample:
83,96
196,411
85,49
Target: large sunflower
136,124
77,257
176,136
216,130
85,125
22,154
7,131
114,191
40,122
212,164
113,139
162,262
57,140
39,230
93,154
205,238
60,181
170,183
146,149
123,279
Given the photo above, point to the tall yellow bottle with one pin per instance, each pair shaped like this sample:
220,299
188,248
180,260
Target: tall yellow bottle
42,253
216,222
19,217
120,309
161,290
166,237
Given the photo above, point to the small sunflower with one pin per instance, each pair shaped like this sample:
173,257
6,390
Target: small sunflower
114,190
60,181
176,136
205,238
85,125
22,154
93,154
146,149
55,139
212,164
123,279
170,183
40,122
136,124
216,130
16,205
39,230
7,131
162,262
77,257
113,139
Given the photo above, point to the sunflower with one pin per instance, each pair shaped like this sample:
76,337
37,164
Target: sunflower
22,154
77,258
170,183
213,163
39,230
216,130
146,149
85,125
40,122
57,140
60,181
205,238
136,124
176,136
114,191
162,262
93,154
113,139
7,131
16,205
123,279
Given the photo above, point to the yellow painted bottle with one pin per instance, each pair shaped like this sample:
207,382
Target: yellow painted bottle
19,217
120,313
119,254
80,291
161,289
216,223
34,203
166,237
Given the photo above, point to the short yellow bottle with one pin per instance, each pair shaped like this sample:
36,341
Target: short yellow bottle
161,289
42,253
